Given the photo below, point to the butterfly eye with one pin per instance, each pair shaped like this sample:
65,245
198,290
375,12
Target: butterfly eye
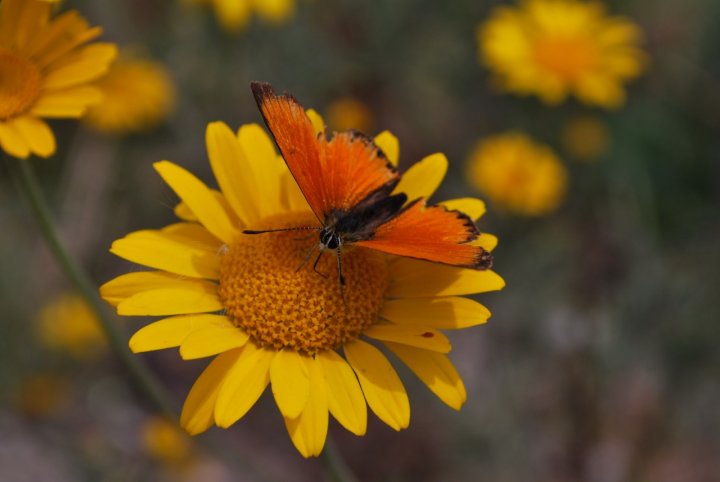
329,239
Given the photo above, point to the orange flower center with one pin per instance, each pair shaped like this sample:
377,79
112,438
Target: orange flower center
566,57
282,305
20,84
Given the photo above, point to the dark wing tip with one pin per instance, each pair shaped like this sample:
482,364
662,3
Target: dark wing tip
473,232
370,142
483,259
261,90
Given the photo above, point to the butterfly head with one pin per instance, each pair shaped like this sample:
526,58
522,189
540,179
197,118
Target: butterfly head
329,238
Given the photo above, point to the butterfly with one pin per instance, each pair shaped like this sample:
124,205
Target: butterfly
348,183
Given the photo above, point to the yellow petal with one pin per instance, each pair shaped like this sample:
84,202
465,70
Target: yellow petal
384,392
9,20
37,134
244,384
289,382
32,19
199,199
84,66
417,279
68,43
309,431
166,252
192,234
130,284
292,197
486,241
198,411
473,207
265,168
390,146
55,30
231,170
345,398
424,177
317,121
419,336
68,103
211,340
12,141
190,298
170,332
441,313
435,370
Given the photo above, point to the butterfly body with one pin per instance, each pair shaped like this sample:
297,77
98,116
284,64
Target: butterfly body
350,186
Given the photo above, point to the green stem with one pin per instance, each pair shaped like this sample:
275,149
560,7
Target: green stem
335,464
26,181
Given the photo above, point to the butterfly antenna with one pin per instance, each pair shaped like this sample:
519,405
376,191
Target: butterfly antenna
300,228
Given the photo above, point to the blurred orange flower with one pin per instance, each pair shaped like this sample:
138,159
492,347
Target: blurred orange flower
139,95
69,325
233,15
517,174
556,48
348,113
45,72
165,442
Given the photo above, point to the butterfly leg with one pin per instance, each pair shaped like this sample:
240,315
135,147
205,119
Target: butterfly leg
306,259
317,260
341,276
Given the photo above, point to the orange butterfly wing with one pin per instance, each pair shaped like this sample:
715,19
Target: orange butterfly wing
334,175
431,233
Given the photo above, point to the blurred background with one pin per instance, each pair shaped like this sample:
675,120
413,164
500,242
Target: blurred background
600,362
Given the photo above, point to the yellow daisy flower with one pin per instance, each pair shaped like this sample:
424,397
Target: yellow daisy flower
139,95
69,325
245,299
555,48
45,71
233,15
517,174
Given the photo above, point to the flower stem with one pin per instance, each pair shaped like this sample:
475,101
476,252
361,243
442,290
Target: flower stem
335,464
24,177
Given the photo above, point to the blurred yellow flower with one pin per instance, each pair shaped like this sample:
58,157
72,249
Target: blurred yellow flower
69,325
348,113
41,395
233,15
585,138
165,442
243,299
517,174
45,71
139,95
556,48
